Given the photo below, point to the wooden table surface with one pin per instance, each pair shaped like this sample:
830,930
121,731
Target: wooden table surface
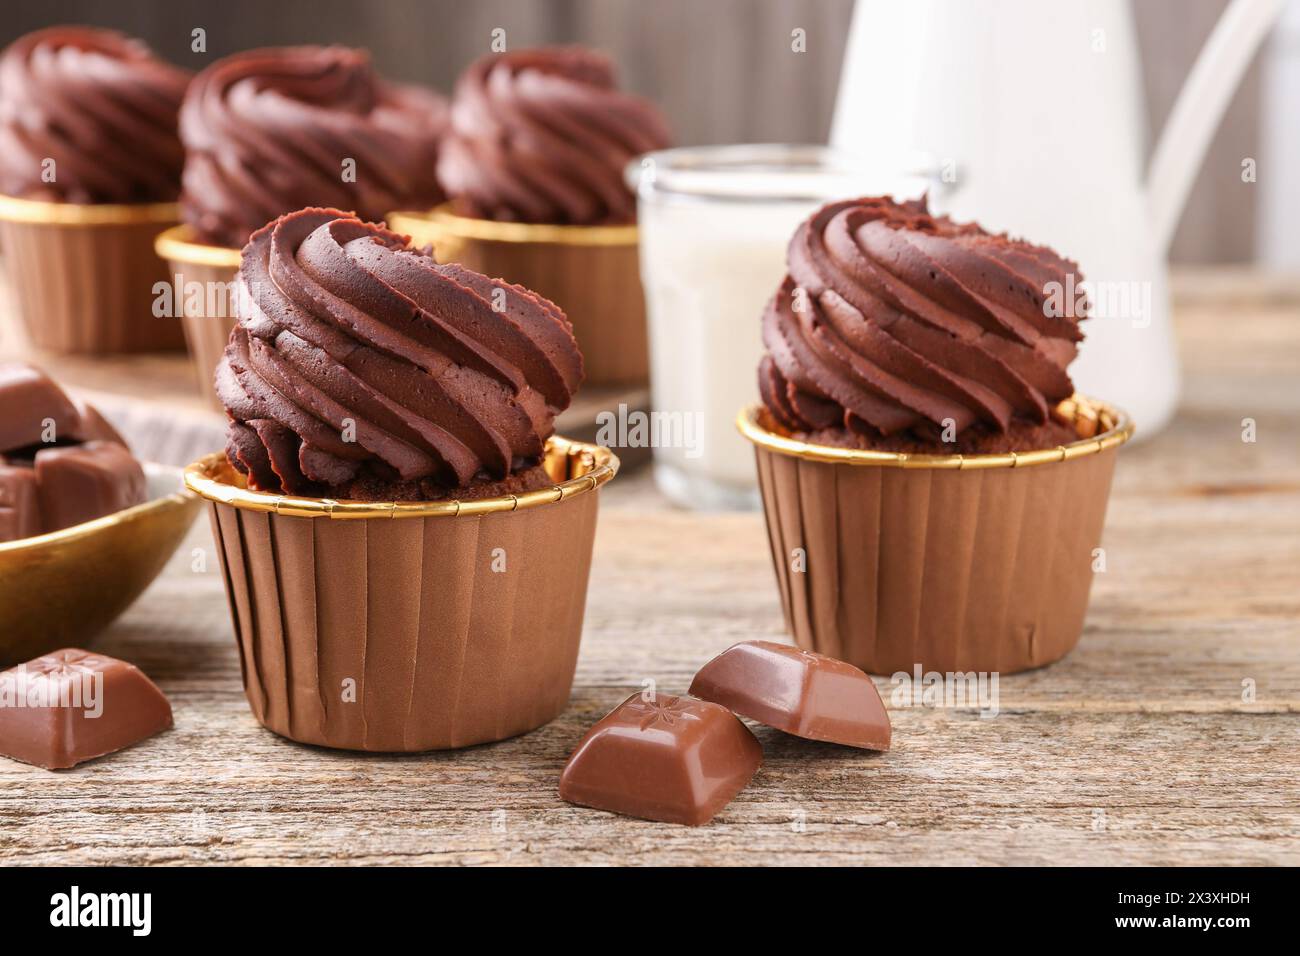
1169,736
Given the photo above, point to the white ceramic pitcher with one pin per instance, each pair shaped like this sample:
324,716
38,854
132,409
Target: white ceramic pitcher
1034,115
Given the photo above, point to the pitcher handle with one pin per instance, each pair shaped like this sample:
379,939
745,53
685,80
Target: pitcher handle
1199,107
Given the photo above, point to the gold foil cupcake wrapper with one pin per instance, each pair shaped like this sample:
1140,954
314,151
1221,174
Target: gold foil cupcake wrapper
205,335
84,276
411,635
179,245
576,467
48,213
949,563
1086,414
442,223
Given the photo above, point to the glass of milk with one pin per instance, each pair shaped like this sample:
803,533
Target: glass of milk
714,225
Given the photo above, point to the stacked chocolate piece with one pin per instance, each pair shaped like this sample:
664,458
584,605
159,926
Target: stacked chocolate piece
61,463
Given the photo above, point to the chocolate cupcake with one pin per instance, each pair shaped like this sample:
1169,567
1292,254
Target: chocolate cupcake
915,371
543,136
90,165
366,383
270,131
534,162
274,130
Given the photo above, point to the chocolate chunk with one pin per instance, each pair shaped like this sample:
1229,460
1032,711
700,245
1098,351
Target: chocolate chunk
93,426
802,693
81,482
71,706
33,409
675,760
20,509
48,480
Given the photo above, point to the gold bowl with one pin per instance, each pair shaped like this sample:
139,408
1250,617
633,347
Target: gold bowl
61,589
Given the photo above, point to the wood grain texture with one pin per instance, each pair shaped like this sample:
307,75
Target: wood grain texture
1138,748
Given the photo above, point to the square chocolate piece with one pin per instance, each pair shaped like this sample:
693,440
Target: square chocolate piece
82,482
673,759
71,706
20,508
33,409
802,693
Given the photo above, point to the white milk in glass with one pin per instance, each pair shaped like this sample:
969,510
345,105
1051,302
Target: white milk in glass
714,226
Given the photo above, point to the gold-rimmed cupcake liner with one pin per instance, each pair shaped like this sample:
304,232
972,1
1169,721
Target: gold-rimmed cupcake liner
178,243
85,276
206,334
591,272
456,625
1102,425
576,467
14,209
448,223
950,563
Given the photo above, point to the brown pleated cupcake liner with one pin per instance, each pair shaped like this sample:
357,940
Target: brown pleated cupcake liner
408,627
950,563
207,319
591,272
84,277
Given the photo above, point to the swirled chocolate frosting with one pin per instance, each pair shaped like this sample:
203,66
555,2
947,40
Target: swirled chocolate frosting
361,368
543,136
899,330
270,131
88,116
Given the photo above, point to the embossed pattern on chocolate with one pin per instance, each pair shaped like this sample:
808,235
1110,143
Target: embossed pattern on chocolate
71,706
672,759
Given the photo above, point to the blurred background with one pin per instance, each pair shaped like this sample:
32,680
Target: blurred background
702,63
